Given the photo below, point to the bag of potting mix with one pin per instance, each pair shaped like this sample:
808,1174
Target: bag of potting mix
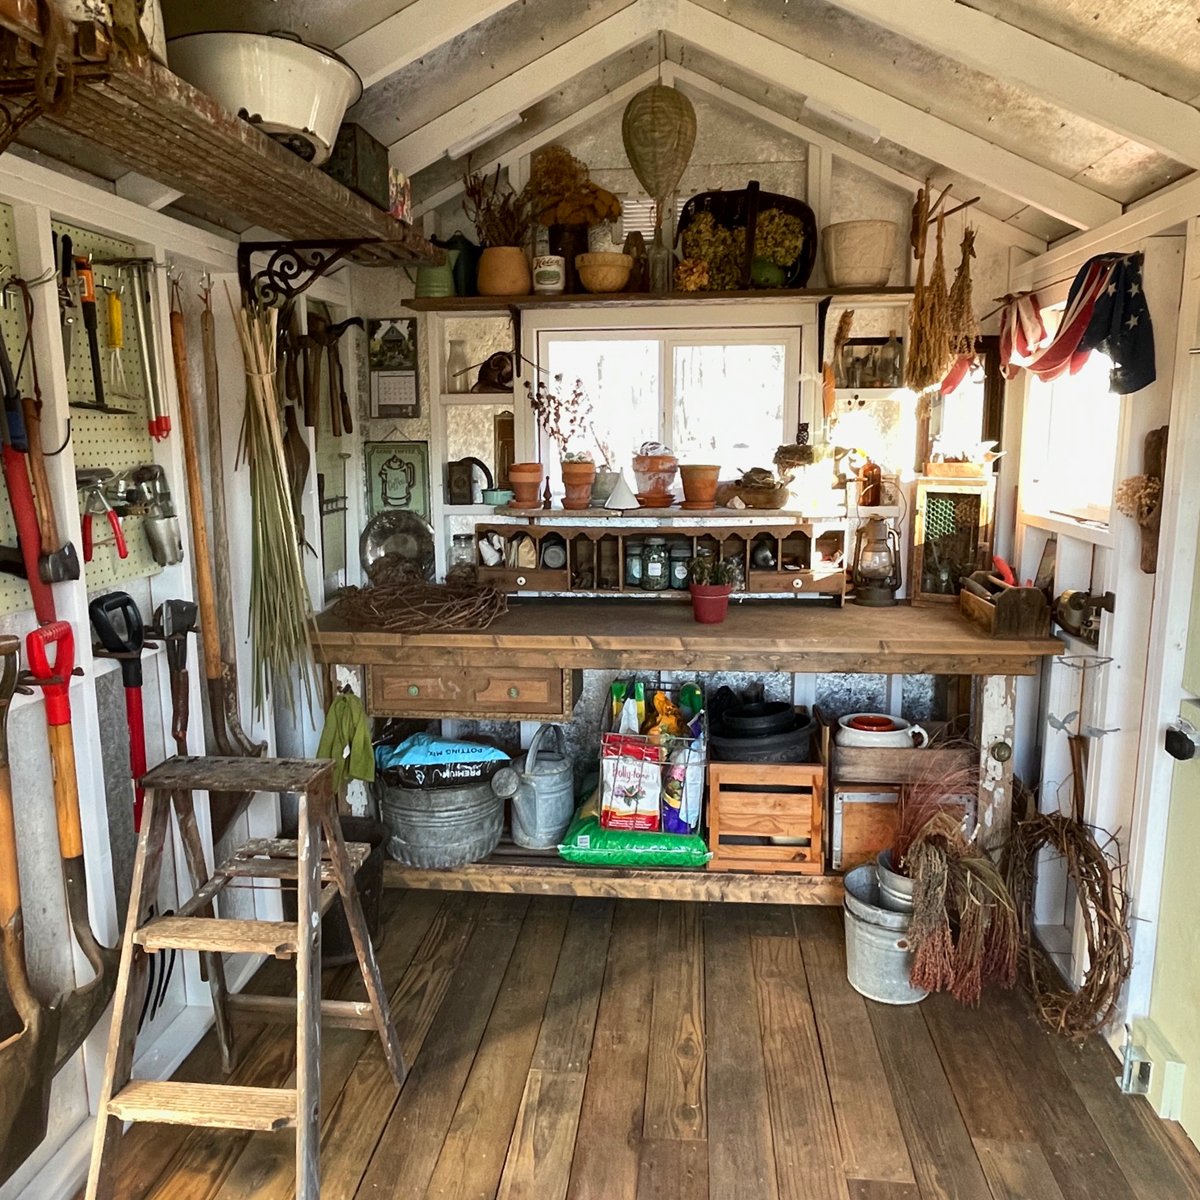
424,760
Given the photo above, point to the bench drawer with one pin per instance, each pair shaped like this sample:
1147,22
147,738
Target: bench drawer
516,693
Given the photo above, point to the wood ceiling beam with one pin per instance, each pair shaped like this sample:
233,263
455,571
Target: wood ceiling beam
691,81
1005,52
522,88
412,33
896,120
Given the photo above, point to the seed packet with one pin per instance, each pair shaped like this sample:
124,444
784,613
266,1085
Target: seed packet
683,788
630,783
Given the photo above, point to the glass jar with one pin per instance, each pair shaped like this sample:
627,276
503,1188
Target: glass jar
462,551
656,565
458,367
662,265
681,554
633,562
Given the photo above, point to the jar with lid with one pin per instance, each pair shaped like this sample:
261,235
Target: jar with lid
656,565
462,551
633,562
681,554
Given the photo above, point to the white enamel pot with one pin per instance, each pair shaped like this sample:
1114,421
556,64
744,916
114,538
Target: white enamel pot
870,730
295,92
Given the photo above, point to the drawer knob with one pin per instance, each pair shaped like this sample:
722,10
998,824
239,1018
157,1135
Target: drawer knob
513,692
520,581
413,690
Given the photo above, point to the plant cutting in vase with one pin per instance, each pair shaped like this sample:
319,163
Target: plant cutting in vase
710,581
502,218
564,417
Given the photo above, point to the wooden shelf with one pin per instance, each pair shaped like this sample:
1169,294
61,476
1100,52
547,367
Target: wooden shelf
492,304
166,129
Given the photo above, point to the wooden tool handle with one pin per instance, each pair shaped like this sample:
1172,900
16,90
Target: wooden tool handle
66,791
47,518
10,877
205,593
335,412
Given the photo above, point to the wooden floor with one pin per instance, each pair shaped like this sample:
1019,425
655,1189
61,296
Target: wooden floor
629,1050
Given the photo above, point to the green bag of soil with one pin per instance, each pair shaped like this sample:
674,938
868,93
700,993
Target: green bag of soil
586,842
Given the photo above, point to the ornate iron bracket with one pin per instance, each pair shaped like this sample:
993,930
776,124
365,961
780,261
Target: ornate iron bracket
292,267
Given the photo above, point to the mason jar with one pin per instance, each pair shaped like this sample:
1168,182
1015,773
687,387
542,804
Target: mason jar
656,565
633,562
681,554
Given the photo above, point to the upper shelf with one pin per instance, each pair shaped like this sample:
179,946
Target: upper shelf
484,304
164,128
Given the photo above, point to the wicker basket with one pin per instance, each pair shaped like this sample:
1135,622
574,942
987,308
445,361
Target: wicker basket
604,271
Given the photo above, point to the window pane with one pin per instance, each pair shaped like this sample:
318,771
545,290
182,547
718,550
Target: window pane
728,403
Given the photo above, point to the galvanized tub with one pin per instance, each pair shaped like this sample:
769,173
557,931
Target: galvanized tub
445,826
545,798
878,953
895,890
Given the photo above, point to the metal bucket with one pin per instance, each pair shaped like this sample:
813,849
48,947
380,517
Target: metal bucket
445,826
895,890
545,798
878,954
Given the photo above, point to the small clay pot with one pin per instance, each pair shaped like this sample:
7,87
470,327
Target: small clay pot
504,271
655,473
578,478
526,482
700,483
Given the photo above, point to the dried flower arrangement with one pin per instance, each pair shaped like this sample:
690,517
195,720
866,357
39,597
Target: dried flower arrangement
562,416
778,237
721,248
562,194
501,216
691,275
1138,496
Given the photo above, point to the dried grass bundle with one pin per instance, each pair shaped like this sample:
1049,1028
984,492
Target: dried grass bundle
961,325
421,607
928,356
501,216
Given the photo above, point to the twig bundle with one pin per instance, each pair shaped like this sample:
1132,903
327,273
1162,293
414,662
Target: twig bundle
961,324
421,607
280,606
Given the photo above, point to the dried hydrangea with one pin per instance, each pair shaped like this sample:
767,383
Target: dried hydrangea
778,237
1138,496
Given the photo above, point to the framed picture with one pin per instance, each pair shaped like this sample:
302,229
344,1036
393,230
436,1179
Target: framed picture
392,356
870,362
398,477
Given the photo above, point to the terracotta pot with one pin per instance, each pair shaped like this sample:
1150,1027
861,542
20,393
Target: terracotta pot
700,483
578,478
504,271
710,602
525,479
655,473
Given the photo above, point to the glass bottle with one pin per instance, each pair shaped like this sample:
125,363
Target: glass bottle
870,485
681,553
458,367
462,551
633,562
656,565
889,361
662,265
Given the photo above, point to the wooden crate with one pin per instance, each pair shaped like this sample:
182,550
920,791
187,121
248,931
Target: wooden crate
751,803
1010,612
864,822
890,765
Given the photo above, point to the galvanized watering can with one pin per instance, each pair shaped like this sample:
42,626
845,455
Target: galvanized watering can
545,798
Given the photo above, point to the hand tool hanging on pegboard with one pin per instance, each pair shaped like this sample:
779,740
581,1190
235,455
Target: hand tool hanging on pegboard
84,1006
27,1056
95,504
64,257
91,322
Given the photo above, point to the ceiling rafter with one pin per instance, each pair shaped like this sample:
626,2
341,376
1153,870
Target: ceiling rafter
990,45
522,88
897,120
412,33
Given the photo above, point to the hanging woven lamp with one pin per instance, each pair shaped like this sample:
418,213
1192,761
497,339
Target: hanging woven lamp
659,132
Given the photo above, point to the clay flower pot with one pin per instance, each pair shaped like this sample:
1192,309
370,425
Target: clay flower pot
504,271
700,484
578,478
655,475
710,602
525,479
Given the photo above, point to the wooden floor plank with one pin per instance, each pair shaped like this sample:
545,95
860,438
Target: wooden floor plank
472,1157
872,1143
808,1154
608,1148
538,1166
673,1170
741,1156
877,1189
408,1147
675,1087
943,1156
1017,1170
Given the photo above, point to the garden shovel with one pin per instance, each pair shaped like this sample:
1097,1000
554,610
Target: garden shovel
84,1006
27,1057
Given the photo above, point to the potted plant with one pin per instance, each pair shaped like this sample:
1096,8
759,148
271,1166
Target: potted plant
710,581
502,218
564,416
578,473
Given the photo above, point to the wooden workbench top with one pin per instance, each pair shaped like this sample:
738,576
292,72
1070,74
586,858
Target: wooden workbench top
756,636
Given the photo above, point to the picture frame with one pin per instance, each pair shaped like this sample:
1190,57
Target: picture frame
397,477
857,366
392,361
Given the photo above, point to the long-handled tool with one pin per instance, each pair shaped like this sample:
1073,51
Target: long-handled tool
118,625
27,1057
64,254
84,1006
87,305
176,621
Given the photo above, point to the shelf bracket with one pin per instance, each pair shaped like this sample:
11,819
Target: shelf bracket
292,267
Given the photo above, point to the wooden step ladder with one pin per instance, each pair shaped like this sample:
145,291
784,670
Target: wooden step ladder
323,866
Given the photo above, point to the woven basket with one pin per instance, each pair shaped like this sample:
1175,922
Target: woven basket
659,132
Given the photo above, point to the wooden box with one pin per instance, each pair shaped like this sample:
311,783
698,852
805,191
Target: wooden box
864,822
890,765
1010,612
360,162
766,817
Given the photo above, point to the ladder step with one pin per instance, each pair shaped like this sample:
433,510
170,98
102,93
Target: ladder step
214,1106
276,938
278,858
213,774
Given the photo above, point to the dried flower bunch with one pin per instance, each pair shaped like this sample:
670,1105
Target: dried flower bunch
501,216
720,248
778,237
562,416
1138,496
562,194
691,275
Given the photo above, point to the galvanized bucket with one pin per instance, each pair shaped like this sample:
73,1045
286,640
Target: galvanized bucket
895,890
545,799
878,953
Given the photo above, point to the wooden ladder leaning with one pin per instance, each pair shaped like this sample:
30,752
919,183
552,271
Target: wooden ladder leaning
320,878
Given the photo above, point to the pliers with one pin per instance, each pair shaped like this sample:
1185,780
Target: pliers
95,503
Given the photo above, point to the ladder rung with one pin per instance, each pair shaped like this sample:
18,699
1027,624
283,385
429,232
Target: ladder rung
277,938
278,859
337,1014
213,774
215,1106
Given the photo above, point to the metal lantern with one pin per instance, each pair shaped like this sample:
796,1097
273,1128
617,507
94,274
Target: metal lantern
876,570
659,132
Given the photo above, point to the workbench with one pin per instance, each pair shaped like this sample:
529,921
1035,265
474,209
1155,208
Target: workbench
526,665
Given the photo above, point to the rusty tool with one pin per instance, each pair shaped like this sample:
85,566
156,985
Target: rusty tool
27,1057
339,403
174,622
84,1006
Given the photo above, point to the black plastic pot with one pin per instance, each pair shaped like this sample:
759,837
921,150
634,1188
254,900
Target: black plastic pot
794,746
759,720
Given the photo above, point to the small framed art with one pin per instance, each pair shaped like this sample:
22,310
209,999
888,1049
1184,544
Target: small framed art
398,477
392,355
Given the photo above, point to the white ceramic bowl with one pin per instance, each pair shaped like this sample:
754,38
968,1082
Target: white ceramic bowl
901,735
295,92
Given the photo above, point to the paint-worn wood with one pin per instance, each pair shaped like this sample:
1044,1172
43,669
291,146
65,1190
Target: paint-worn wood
943,1157
228,936
212,773
483,304
876,1189
308,993
675,1084
673,1170
606,1159
215,1106
868,1126
1017,1170
408,1148
740,1154
808,1156
538,1166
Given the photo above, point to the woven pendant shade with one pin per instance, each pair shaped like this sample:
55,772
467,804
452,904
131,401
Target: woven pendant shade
659,131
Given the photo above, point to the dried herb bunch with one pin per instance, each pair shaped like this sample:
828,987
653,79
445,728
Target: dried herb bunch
562,416
562,194
501,216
